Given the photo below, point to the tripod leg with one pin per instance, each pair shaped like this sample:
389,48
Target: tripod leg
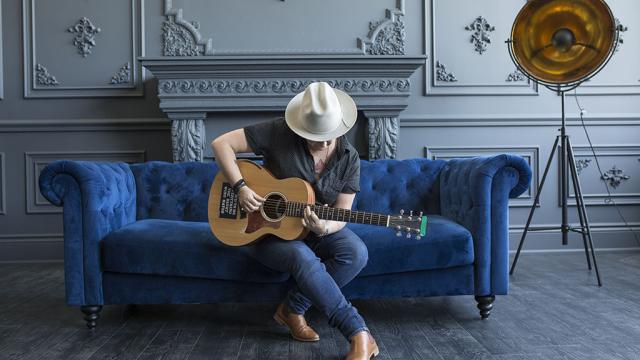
586,221
535,203
574,177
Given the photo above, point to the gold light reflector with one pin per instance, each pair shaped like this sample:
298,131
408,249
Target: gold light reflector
563,41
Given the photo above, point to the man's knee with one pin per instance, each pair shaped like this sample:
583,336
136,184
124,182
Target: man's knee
355,253
361,254
301,259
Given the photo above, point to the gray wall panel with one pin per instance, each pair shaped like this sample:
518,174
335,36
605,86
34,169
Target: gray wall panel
82,52
1,58
3,185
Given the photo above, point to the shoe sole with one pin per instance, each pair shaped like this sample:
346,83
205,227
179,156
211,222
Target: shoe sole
280,321
376,351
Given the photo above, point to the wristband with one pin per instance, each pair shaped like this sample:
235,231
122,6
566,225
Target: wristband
240,183
326,228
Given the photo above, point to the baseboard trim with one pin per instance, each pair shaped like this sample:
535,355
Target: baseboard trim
6,262
598,250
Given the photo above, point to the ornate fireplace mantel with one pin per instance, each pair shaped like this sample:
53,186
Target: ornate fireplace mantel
191,87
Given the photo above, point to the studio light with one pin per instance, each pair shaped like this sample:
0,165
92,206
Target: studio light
560,44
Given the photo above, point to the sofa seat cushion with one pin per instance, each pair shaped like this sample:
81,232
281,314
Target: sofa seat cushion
180,248
446,244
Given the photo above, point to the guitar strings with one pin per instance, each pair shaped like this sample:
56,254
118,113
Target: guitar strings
274,205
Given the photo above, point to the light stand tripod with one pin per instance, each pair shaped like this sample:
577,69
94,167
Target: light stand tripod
561,70
567,158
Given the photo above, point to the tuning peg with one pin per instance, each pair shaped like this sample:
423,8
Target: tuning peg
420,214
408,235
398,234
401,212
418,237
411,213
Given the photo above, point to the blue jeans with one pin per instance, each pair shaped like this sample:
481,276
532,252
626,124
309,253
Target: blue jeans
320,267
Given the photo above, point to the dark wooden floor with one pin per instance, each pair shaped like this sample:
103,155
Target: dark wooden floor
554,311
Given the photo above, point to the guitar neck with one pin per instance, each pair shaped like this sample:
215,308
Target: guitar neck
296,209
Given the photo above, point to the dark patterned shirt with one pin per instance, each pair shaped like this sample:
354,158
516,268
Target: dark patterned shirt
286,155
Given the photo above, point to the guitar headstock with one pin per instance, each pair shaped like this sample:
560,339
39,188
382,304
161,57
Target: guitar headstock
416,224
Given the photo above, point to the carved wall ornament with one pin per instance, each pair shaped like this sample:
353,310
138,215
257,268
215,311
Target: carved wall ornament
621,29
85,33
277,86
187,139
582,164
615,176
123,76
180,37
442,74
516,76
387,36
383,137
480,37
44,78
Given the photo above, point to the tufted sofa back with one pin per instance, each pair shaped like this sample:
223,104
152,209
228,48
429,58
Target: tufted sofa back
386,186
180,191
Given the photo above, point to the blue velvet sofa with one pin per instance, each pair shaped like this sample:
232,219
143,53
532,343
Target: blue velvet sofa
138,233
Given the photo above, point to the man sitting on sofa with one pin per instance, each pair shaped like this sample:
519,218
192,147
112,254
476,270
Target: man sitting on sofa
309,143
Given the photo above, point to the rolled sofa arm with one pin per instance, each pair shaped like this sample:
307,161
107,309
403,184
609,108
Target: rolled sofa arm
97,198
475,192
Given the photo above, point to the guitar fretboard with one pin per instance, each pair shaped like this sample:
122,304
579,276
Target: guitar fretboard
337,214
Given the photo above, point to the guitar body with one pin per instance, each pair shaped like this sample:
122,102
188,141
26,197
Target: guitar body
234,227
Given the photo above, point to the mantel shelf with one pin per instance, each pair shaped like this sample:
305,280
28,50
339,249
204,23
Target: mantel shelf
267,83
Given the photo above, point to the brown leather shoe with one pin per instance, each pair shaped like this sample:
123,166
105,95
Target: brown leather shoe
363,347
296,323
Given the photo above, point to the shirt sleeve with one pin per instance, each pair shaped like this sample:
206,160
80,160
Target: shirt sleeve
352,176
260,135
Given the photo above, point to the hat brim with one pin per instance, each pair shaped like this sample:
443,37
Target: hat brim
349,117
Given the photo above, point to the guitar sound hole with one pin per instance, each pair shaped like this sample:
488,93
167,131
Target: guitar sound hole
274,207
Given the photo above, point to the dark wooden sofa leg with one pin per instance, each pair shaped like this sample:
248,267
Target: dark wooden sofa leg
485,304
91,314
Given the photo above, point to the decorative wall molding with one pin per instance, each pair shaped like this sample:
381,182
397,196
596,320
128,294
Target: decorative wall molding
516,120
582,164
85,33
289,87
442,73
183,38
187,139
621,30
3,185
480,37
615,176
35,161
84,125
387,36
486,83
530,153
383,137
517,75
592,183
180,37
39,83
123,76
44,78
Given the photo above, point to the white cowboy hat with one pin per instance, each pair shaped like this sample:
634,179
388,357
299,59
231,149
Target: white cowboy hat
321,113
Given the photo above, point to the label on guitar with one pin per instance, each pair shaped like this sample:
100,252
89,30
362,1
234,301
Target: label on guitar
228,202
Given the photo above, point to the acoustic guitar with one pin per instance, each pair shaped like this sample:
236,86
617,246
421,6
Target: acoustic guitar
280,213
